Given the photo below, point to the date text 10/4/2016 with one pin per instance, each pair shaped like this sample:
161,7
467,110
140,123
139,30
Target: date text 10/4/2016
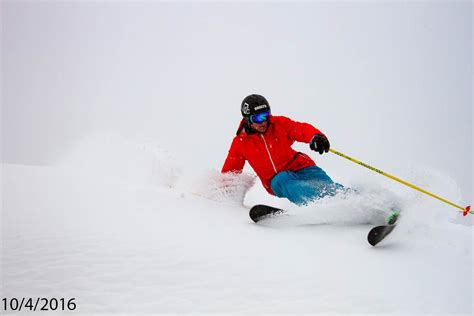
38,304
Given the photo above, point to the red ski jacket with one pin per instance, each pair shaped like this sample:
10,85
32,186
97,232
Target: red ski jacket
270,152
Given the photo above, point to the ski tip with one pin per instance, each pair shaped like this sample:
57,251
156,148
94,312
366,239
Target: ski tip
378,233
373,237
467,210
253,213
260,212
372,242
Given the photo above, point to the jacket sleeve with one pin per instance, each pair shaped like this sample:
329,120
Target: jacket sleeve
235,161
298,131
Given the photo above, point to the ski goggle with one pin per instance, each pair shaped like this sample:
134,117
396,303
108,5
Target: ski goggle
260,117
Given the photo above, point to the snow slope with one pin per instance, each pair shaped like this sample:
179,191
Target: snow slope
119,242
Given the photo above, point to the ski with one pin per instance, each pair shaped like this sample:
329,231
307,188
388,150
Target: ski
378,233
260,212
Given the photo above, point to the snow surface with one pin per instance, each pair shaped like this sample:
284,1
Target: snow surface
118,241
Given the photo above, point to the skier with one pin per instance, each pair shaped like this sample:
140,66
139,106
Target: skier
265,142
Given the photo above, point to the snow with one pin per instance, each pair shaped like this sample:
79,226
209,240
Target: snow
117,117
137,246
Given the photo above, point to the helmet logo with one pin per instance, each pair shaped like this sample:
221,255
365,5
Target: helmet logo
246,109
263,106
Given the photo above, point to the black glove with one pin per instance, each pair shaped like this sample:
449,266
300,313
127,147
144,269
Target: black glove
319,143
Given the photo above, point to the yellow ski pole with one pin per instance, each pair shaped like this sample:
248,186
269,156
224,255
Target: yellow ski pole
465,210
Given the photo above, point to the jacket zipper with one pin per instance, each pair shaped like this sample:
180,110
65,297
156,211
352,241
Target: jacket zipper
269,156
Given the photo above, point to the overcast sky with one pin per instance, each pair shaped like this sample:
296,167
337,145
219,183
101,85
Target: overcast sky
389,82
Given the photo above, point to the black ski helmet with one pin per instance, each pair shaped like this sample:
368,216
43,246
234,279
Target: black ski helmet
254,104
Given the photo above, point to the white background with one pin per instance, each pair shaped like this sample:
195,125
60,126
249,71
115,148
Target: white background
389,83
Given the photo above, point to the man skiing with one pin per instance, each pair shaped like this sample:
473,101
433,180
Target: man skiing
265,142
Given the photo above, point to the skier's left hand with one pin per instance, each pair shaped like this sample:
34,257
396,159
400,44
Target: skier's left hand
319,143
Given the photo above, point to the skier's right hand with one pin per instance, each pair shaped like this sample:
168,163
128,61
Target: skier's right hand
319,143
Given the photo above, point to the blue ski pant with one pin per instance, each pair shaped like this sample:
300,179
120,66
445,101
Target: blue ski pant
304,185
